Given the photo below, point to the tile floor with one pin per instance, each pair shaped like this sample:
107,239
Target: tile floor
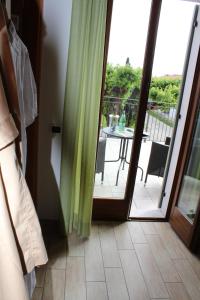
132,260
145,198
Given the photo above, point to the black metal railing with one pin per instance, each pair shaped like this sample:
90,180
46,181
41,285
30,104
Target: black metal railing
159,121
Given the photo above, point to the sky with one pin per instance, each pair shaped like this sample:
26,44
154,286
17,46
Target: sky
129,31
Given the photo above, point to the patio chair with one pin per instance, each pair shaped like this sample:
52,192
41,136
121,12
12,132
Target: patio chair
157,160
101,157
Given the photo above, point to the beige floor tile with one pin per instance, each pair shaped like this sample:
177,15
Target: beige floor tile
97,291
122,236
193,259
37,294
189,278
75,245
75,286
152,276
163,260
177,291
40,276
57,254
136,232
109,246
148,227
133,275
169,240
116,285
93,257
54,288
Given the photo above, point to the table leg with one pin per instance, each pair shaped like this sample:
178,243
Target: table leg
127,141
141,171
121,162
123,159
120,151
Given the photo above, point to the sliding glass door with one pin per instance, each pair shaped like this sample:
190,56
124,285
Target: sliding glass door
190,187
132,115
120,99
164,100
127,77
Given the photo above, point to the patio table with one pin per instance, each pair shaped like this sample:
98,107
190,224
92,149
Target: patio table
124,136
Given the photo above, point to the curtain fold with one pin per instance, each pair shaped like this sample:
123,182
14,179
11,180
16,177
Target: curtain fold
81,111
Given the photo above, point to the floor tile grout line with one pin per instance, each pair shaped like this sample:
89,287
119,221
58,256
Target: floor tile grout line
142,272
44,283
157,269
182,245
124,274
42,293
156,261
65,280
87,281
98,226
131,235
170,254
86,291
185,259
198,275
67,248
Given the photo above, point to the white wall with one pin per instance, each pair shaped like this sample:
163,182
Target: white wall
56,17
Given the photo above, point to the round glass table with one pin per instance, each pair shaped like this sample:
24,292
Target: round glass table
124,136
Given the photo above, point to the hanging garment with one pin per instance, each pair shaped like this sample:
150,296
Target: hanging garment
21,239
26,87
27,96
21,244
11,273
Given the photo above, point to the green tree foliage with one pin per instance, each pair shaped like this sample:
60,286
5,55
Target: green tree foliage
122,88
163,82
120,80
165,97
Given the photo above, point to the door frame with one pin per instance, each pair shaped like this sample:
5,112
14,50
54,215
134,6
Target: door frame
118,209
181,225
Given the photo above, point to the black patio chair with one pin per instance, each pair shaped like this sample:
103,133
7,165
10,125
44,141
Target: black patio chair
157,160
101,157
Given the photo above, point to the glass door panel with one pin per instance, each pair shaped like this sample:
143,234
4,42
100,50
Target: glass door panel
164,95
190,188
128,34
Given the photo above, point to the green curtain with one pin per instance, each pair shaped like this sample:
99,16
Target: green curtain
81,111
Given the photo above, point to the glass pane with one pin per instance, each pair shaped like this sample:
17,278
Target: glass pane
190,190
123,77
172,40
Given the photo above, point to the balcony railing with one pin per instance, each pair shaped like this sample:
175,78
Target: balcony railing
159,121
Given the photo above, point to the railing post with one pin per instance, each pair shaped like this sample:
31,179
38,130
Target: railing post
147,123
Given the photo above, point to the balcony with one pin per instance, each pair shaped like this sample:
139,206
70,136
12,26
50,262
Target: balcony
159,125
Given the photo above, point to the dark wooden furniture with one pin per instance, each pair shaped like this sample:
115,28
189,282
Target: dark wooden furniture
101,157
157,160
